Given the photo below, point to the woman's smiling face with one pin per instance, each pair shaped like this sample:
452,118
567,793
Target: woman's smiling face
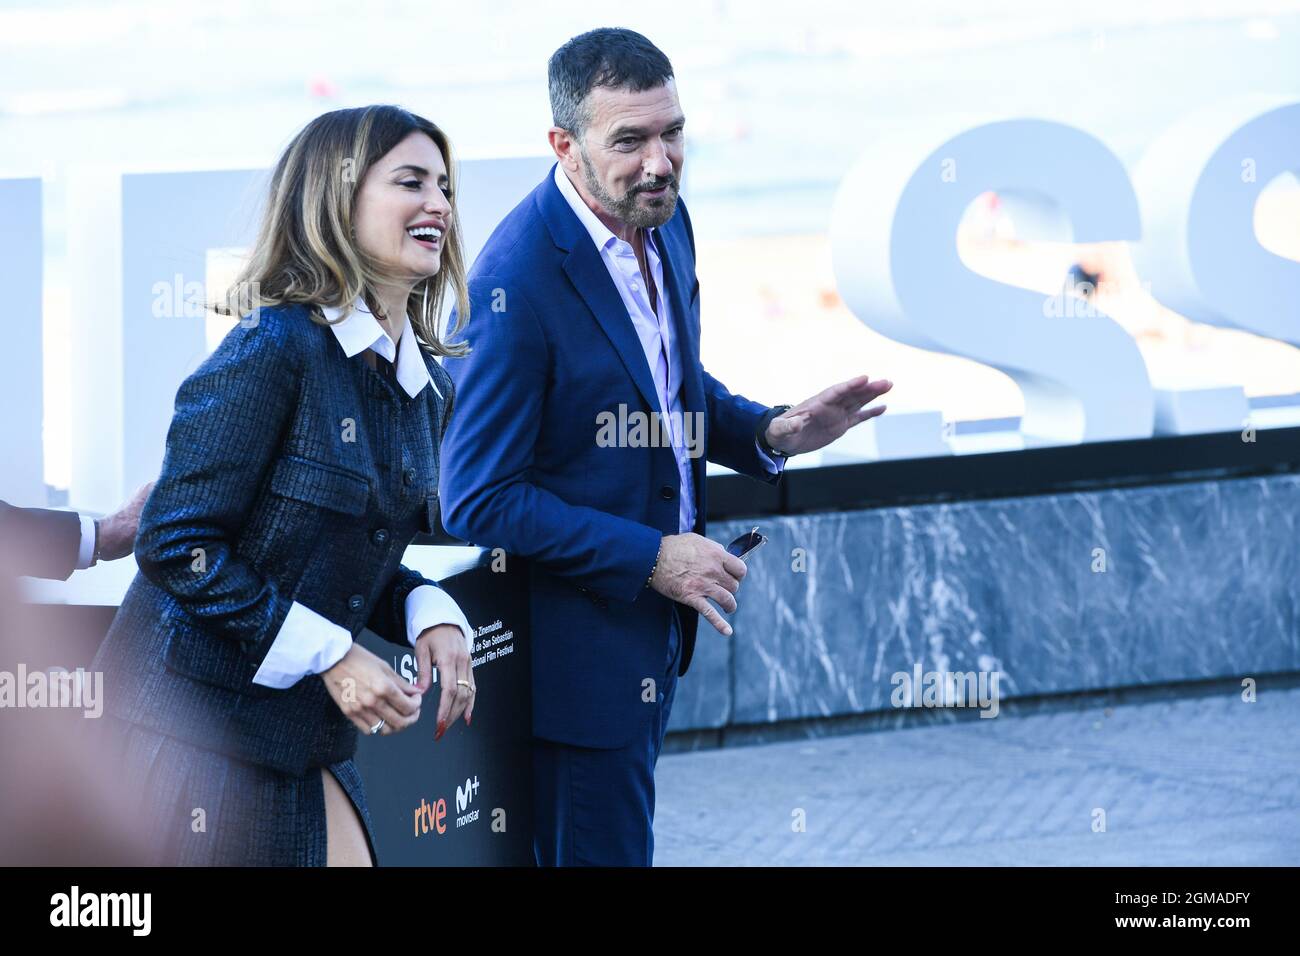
403,209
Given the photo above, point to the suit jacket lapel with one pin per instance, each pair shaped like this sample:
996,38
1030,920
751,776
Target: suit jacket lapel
589,276
675,254
584,266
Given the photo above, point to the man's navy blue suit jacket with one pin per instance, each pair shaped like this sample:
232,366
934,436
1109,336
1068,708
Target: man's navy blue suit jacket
553,349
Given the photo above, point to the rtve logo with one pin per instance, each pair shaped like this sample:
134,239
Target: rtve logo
431,816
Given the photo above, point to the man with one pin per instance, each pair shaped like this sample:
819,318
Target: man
47,762
584,309
52,544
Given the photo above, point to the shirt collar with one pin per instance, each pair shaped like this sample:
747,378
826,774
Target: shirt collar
598,231
361,331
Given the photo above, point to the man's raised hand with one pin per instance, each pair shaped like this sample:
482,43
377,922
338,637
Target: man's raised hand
818,421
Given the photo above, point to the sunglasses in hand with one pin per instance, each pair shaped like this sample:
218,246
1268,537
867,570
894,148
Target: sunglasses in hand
747,543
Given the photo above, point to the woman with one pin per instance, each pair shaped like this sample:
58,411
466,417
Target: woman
301,461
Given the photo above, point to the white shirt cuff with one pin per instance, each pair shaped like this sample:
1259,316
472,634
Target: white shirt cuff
773,467
86,551
307,644
428,606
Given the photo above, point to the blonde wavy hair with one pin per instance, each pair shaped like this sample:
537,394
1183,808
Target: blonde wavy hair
306,252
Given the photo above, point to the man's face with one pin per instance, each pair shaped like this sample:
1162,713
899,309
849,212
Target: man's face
631,153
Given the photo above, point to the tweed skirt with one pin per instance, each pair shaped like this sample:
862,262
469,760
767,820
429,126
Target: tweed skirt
211,809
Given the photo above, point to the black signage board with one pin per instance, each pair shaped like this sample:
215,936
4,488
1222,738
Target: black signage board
464,800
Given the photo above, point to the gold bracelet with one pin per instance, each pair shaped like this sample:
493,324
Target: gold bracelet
656,564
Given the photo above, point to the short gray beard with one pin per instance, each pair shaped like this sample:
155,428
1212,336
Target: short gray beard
627,209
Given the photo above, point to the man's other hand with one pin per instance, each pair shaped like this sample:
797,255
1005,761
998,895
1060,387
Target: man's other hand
117,531
693,570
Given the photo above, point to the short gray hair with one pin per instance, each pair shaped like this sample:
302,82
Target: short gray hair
609,57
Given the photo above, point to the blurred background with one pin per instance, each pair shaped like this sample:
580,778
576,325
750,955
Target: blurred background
780,98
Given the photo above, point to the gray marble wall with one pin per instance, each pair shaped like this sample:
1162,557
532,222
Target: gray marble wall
1200,580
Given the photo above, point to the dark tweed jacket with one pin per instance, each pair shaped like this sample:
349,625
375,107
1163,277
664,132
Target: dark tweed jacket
292,473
